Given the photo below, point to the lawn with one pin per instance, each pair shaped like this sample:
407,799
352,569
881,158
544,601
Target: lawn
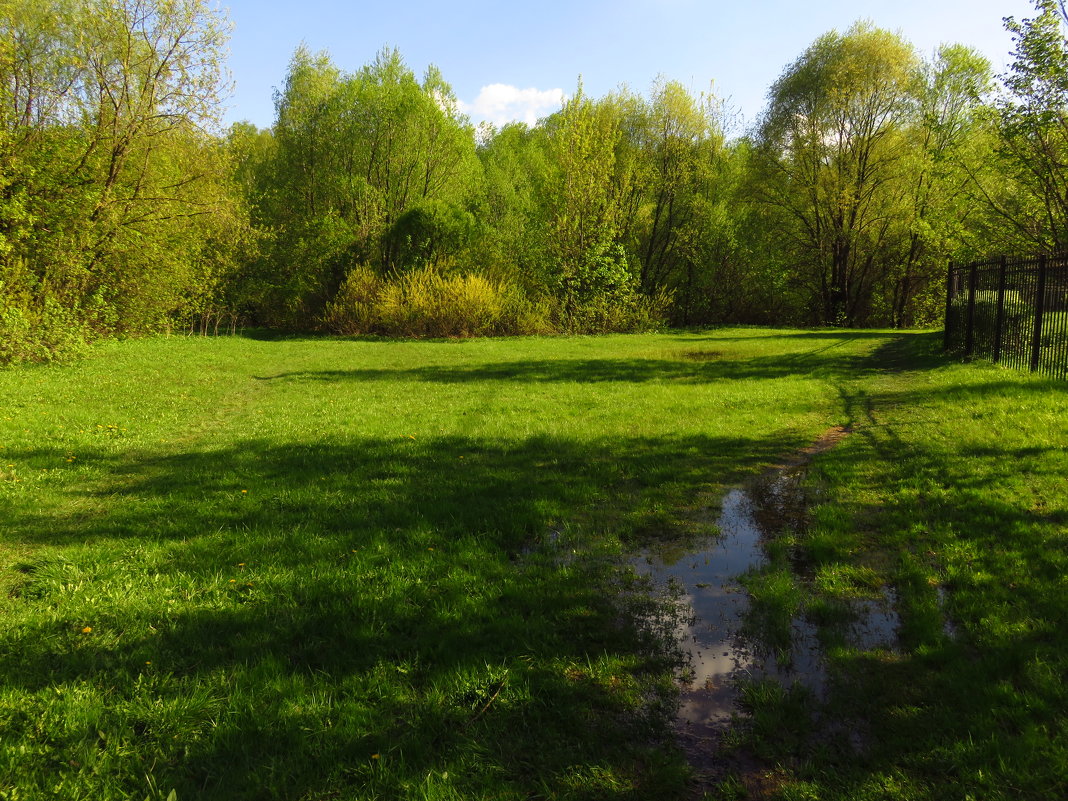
952,494
303,568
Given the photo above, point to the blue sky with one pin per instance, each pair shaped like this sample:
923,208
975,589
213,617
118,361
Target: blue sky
517,60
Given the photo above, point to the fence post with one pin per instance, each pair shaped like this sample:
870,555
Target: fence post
949,308
1040,304
999,321
969,332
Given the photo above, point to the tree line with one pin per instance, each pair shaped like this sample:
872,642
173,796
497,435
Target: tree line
373,205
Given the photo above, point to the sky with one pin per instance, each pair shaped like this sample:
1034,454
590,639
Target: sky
517,61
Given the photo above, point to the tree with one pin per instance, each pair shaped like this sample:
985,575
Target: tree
109,162
680,139
353,157
584,191
947,146
1033,132
512,246
832,147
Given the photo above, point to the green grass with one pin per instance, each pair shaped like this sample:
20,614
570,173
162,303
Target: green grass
954,493
314,568
245,568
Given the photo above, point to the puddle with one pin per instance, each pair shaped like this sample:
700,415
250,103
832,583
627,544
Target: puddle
949,628
712,638
713,635
876,623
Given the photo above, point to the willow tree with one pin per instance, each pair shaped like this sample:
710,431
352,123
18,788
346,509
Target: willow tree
583,189
512,246
833,149
680,190
567,181
948,144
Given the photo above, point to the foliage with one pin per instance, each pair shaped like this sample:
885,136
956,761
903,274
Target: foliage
114,203
1032,142
867,164
372,168
427,303
832,142
583,191
123,210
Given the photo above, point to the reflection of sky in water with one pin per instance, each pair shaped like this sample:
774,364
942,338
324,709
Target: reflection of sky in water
711,636
718,656
876,623
949,628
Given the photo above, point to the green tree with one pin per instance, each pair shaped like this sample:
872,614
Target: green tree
680,139
511,246
585,191
1033,133
353,157
833,143
112,184
947,145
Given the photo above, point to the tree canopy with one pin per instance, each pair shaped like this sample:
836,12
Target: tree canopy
124,209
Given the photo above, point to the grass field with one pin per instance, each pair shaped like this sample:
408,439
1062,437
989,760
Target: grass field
954,493
244,568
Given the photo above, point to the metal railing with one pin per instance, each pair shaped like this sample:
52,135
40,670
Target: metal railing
1011,310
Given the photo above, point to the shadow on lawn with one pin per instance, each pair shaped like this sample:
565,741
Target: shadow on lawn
833,334
395,588
686,365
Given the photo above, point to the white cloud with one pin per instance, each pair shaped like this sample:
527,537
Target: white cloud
500,103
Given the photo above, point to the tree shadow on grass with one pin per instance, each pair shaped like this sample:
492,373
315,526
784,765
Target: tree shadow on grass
686,361
265,620
830,334
689,367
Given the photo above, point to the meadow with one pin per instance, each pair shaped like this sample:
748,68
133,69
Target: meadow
261,567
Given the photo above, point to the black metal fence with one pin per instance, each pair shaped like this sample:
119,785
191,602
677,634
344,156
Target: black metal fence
1011,310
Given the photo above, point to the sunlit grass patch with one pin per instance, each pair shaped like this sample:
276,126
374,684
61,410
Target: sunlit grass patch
951,496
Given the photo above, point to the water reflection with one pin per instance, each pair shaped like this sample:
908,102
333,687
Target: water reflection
876,622
718,652
721,652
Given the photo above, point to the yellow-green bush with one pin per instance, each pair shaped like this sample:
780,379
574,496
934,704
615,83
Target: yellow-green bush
426,303
352,311
34,325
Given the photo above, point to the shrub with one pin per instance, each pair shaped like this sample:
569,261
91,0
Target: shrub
352,311
621,312
42,334
35,326
426,303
